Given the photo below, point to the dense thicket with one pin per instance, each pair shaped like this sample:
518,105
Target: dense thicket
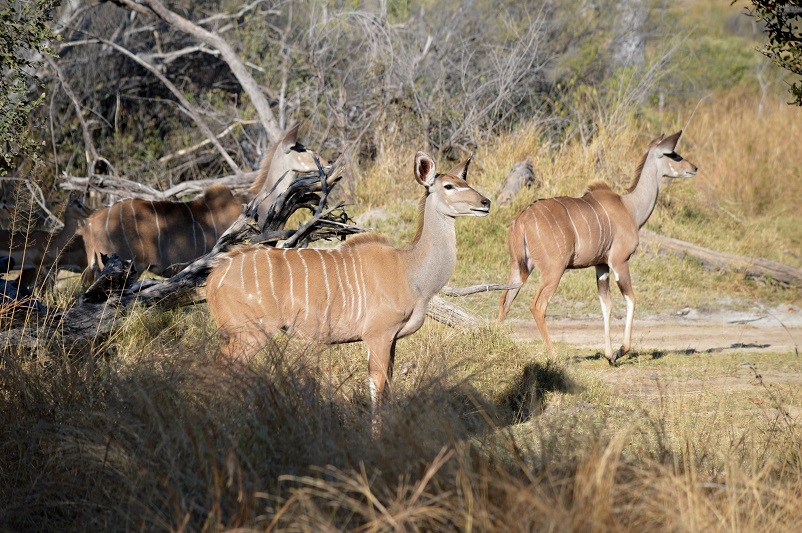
443,75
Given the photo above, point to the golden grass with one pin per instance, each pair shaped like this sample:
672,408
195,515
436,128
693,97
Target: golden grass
481,435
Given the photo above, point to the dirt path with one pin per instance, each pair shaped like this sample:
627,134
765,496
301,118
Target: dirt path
776,329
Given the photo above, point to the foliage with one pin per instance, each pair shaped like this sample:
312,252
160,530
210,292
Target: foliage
783,22
24,36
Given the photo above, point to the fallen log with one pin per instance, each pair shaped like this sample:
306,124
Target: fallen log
125,188
752,267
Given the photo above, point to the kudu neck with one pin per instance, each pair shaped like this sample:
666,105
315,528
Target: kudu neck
432,256
641,200
70,226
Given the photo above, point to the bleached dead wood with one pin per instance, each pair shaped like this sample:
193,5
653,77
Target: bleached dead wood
753,267
521,175
125,188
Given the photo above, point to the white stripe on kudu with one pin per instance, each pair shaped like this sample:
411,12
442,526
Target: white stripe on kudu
383,291
609,250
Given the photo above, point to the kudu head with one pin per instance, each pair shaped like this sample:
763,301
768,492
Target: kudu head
291,155
283,161
669,163
76,209
450,192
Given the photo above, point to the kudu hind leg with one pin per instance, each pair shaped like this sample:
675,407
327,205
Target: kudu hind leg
624,281
603,286
548,285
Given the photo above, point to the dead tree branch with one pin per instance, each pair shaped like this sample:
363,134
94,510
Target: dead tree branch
753,267
238,68
186,106
521,175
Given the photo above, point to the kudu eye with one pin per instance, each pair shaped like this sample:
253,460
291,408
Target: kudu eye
298,147
448,186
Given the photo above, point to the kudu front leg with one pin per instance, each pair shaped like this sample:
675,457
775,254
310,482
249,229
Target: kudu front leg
603,286
381,353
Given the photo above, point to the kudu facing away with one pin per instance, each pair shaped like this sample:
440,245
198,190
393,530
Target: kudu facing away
599,229
162,236
39,251
364,290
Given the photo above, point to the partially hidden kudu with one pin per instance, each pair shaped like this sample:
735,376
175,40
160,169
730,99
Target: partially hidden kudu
163,236
364,290
39,251
598,229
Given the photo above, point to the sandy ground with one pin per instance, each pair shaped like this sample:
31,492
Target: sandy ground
776,329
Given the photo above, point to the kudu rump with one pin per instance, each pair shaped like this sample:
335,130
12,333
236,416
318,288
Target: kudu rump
41,251
364,290
598,229
162,236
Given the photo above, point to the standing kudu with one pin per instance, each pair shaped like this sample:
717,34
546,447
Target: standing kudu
599,229
162,236
38,250
364,290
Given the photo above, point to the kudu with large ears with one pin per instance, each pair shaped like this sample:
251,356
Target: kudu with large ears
598,229
364,290
283,162
163,236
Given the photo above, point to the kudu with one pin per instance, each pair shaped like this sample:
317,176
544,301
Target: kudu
37,250
162,236
364,290
598,229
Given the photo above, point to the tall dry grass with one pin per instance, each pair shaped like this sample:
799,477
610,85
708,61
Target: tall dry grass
163,434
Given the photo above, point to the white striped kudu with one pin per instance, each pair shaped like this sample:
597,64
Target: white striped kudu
162,236
364,290
36,250
598,229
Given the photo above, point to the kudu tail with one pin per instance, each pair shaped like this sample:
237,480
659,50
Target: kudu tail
519,267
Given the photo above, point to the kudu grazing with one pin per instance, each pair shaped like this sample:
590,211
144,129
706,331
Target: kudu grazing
364,290
598,229
163,236
40,251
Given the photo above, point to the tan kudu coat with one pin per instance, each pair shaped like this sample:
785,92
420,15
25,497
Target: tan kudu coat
598,229
365,290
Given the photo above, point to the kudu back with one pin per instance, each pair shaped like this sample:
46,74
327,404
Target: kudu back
598,229
364,290
163,236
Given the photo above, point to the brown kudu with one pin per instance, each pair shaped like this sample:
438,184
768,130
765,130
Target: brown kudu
162,236
364,290
598,229
39,251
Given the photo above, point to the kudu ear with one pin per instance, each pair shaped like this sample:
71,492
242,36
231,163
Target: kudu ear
667,145
424,169
461,170
289,138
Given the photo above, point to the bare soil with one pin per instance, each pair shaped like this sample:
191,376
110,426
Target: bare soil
776,329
